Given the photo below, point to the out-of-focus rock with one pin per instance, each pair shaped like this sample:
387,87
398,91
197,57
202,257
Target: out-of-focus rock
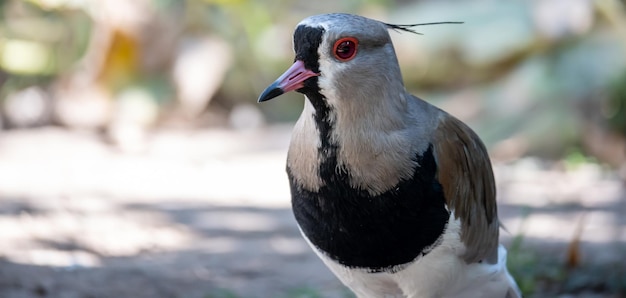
246,117
28,108
199,70
84,107
135,111
556,19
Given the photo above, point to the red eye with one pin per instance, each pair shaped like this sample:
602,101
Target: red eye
345,48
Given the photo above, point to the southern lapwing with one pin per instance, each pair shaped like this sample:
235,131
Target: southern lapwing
396,196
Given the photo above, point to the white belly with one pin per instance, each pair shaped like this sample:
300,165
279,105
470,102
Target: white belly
440,273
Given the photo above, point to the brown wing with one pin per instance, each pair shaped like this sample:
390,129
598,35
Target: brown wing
465,173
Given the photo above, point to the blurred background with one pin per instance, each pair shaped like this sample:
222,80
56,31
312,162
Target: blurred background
135,162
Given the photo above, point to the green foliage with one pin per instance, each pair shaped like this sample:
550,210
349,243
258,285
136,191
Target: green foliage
303,292
615,110
222,293
575,158
530,270
37,42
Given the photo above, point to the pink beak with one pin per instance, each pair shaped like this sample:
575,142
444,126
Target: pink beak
292,79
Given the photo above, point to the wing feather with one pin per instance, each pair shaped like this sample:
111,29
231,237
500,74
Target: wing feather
465,173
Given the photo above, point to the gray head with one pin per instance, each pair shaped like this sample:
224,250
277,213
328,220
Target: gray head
340,57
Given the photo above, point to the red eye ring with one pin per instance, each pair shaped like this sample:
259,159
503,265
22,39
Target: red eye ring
345,48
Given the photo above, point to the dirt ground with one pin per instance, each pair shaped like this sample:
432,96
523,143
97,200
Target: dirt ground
206,214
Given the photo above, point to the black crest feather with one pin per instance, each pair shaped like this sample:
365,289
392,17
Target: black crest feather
407,28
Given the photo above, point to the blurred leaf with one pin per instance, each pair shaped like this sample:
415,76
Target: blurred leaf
615,112
121,61
26,57
576,158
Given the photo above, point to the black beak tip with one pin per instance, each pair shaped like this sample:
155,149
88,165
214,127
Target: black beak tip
271,92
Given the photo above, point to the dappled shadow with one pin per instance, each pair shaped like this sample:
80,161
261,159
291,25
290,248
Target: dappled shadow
23,280
250,251
16,206
241,221
255,252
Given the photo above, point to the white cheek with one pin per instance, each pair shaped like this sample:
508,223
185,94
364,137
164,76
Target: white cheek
329,67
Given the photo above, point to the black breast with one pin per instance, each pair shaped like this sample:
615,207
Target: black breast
372,232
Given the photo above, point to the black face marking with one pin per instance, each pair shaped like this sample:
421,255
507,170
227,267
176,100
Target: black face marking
373,232
306,42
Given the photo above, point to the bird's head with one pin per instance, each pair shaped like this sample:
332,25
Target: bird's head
334,53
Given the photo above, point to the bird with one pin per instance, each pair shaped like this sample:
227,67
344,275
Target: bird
396,196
